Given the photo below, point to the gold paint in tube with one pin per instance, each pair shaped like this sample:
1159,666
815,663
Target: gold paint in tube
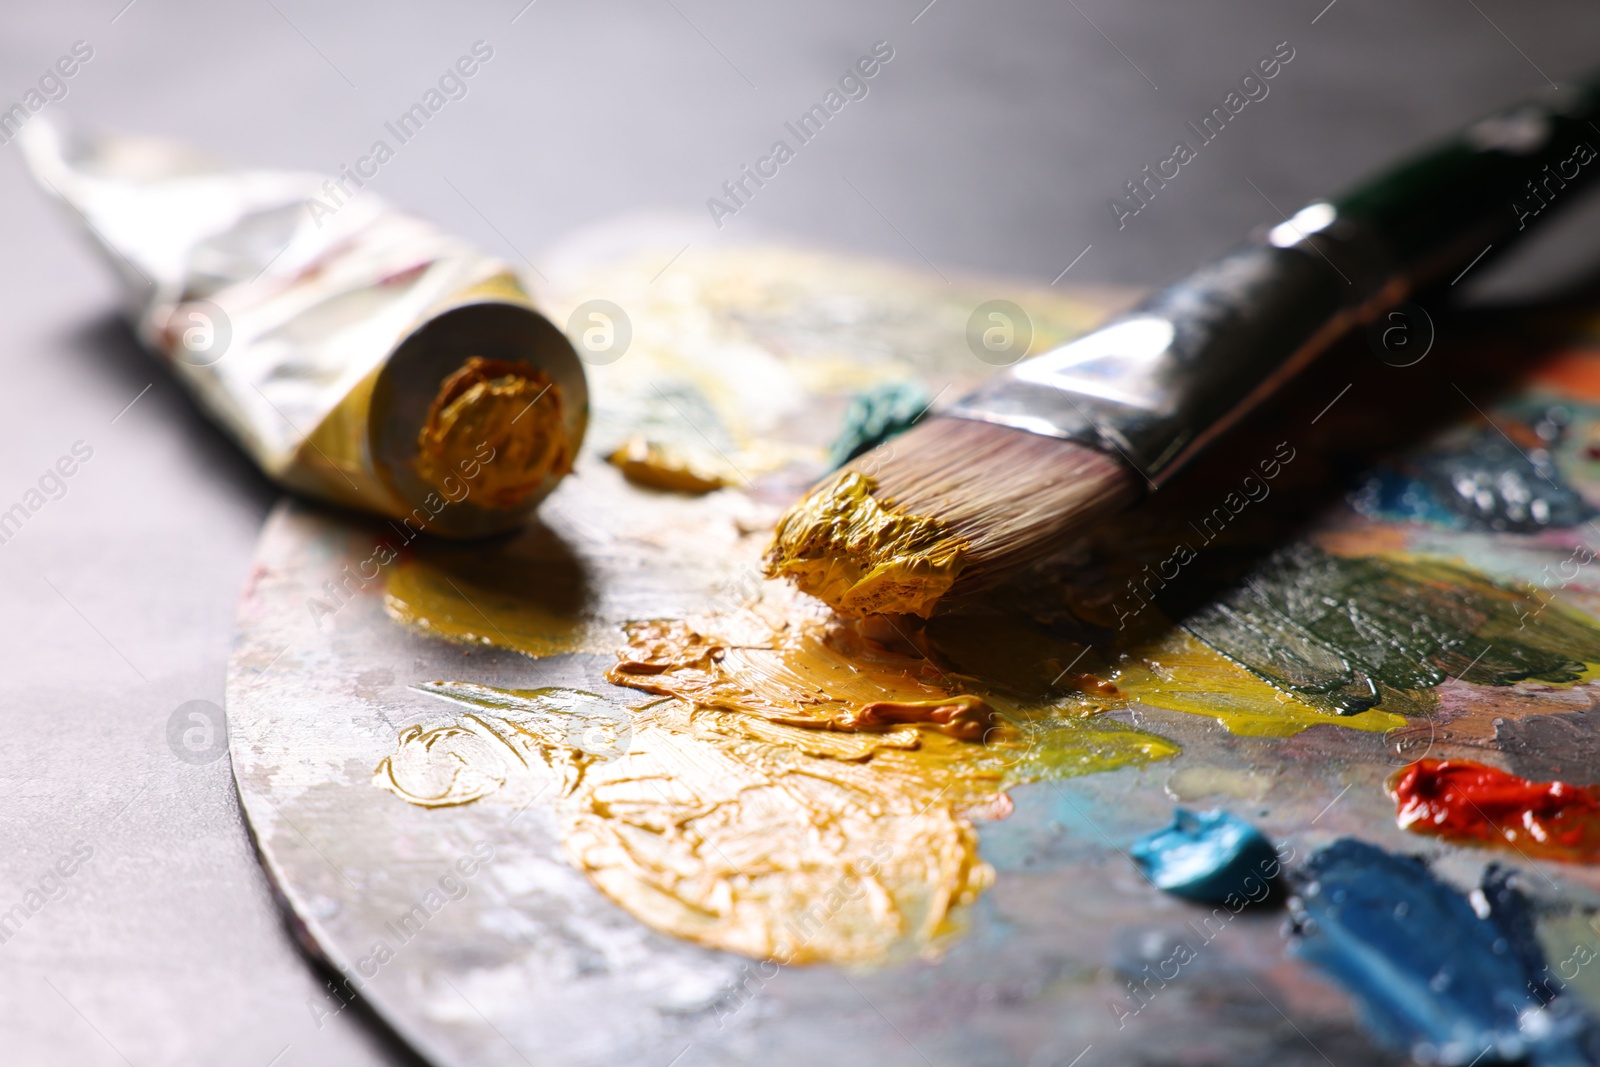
362,357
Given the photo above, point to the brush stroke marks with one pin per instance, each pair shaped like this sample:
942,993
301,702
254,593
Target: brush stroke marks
739,833
1472,803
801,794
1179,673
1031,641
492,749
1448,979
1208,857
1486,482
1352,634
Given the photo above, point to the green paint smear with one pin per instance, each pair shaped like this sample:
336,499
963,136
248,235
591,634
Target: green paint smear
875,416
1345,633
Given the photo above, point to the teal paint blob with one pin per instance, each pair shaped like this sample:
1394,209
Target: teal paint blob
1452,980
1208,857
876,415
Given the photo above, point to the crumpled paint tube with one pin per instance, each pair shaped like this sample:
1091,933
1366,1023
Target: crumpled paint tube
363,358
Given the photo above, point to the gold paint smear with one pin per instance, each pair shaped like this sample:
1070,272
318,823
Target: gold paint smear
509,408
748,840
766,806
806,675
841,545
531,604
881,844
649,463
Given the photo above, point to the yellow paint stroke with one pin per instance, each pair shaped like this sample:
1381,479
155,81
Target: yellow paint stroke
657,466
1174,671
841,545
1181,674
803,793
506,416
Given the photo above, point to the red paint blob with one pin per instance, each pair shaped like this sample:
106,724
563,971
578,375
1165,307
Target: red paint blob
1476,804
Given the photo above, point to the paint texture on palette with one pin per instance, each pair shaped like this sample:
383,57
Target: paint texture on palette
1350,634
1472,803
758,360
1447,977
878,733
1357,614
800,797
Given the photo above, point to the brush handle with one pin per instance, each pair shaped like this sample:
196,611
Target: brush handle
1486,185
1158,383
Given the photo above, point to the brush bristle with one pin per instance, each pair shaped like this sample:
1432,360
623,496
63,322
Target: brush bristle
1013,496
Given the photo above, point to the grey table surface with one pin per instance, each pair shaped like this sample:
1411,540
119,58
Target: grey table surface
993,141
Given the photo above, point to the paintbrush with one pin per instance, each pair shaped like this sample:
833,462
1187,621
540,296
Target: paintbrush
1063,440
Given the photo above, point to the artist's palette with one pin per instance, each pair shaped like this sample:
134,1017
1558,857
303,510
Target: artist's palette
514,860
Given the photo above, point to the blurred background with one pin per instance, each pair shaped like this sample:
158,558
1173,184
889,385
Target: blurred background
993,141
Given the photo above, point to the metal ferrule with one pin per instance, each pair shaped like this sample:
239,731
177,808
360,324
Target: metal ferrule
1159,381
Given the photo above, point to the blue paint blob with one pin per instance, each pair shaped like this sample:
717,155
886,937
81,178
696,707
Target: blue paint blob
876,415
1482,483
1209,857
1396,495
1451,979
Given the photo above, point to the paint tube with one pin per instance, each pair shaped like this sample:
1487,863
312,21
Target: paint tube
361,357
